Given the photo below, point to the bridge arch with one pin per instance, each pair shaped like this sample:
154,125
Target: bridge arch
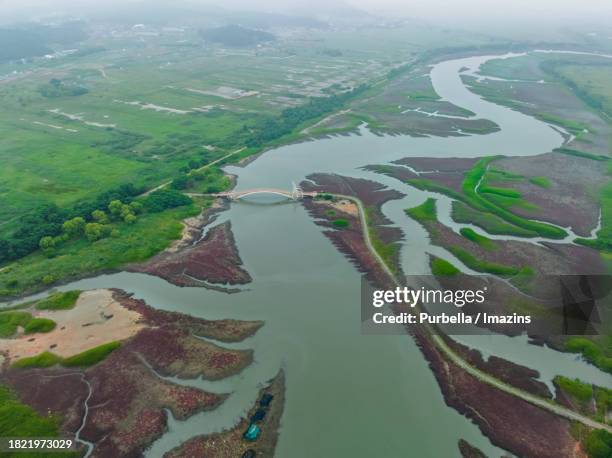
252,192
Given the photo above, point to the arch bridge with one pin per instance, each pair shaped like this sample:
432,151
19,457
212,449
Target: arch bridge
296,193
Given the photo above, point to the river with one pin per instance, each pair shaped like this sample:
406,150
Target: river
348,395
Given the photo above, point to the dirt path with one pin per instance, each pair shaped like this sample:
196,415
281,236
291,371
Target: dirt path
204,167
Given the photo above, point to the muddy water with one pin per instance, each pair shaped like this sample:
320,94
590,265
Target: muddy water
347,394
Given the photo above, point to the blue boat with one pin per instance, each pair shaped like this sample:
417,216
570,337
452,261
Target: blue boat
252,433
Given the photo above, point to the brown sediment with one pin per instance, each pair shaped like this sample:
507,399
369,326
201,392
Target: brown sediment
467,450
230,443
570,200
223,330
439,165
170,344
509,422
127,407
349,241
213,259
513,374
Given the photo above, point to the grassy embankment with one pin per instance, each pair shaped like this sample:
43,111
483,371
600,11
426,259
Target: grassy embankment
84,359
442,268
481,240
12,320
597,443
388,251
427,216
59,301
596,349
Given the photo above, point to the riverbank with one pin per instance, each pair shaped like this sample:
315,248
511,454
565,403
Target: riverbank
212,258
266,414
121,398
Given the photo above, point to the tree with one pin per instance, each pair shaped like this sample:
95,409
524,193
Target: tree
46,242
74,227
115,207
165,198
130,218
99,216
180,182
136,208
127,215
94,231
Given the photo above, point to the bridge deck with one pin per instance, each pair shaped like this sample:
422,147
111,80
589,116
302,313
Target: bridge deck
249,192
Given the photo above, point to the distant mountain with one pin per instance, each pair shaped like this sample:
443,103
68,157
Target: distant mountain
236,36
20,44
33,40
258,20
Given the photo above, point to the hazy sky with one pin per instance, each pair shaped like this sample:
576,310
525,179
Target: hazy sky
460,10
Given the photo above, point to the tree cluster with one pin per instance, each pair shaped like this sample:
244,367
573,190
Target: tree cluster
269,129
47,220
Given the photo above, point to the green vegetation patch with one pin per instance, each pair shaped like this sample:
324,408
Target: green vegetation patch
583,154
45,359
598,444
20,420
39,325
340,223
84,359
91,356
483,266
582,392
10,321
424,96
475,200
443,268
59,301
575,127
481,240
542,182
591,351
492,224
504,192
389,252
424,212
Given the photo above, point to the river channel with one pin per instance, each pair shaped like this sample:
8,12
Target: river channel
348,395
